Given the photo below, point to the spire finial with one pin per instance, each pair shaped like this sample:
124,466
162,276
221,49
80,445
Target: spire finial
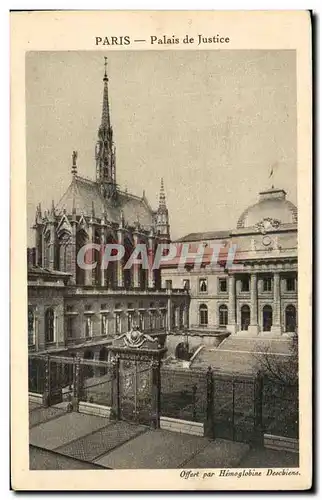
74,165
105,111
105,79
162,195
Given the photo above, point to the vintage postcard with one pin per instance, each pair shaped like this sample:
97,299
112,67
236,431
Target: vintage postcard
161,250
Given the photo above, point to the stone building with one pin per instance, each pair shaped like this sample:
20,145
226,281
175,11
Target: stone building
75,308
259,295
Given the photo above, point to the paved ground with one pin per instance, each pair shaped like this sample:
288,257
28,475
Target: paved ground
40,414
40,459
264,457
61,440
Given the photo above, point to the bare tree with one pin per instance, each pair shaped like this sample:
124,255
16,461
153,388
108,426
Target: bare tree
282,369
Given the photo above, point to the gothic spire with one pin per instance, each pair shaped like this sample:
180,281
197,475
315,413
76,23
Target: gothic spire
105,122
105,148
162,217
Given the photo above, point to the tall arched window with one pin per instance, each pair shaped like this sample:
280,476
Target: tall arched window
245,317
203,315
128,273
49,325
223,315
64,251
290,318
81,240
267,318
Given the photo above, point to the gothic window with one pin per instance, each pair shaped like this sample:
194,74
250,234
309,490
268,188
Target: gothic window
47,250
203,286
203,315
222,284
64,249
81,240
128,273
49,325
97,254
31,326
223,315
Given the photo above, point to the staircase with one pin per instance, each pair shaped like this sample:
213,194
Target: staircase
241,354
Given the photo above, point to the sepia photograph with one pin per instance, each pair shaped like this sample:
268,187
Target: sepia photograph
161,239
162,259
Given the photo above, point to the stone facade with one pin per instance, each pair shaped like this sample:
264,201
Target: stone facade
71,308
259,297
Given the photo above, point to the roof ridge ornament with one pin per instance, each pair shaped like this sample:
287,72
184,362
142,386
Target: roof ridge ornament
74,163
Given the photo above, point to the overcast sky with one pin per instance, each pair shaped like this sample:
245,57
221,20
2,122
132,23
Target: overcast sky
211,123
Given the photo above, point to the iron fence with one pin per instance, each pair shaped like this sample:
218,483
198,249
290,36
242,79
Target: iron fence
234,407
231,406
184,394
36,374
96,382
280,408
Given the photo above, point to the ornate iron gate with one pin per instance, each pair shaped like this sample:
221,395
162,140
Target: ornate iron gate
137,362
135,387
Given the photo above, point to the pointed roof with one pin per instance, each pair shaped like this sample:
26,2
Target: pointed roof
84,196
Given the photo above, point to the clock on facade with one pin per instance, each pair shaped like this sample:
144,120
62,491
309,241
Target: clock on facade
266,240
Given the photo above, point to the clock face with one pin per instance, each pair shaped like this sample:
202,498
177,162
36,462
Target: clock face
266,241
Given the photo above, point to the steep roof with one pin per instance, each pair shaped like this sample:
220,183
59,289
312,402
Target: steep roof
83,195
